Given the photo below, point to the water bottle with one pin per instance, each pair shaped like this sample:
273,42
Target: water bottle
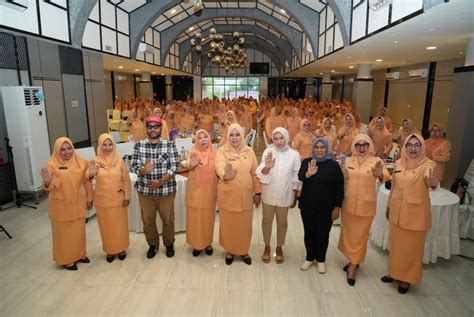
182,156
334,155
342,159
395,156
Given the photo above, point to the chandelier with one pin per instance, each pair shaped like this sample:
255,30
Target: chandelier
229,57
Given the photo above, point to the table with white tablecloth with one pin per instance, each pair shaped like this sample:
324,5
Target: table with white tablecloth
442,239
135,222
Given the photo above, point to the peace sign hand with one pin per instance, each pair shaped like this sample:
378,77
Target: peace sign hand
269,161
46,175
312,169
93,168
377,171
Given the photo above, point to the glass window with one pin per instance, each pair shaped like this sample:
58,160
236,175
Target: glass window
230,87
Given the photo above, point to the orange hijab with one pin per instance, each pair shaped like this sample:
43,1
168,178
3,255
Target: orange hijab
242,147
104,160
306,134
205,174
76,167
433,143
227,122
370,152
411,163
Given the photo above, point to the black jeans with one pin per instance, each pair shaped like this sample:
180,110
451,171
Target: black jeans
317,224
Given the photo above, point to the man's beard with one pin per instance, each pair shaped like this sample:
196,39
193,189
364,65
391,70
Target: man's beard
158,134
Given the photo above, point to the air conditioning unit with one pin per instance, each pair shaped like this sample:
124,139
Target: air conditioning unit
378,4
145,48
28,132
391,76
418,73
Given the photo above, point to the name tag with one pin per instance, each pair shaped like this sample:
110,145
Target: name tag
232,159
351,168
397,171
63,167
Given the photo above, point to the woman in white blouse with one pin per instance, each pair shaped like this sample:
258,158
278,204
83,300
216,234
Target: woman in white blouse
278,174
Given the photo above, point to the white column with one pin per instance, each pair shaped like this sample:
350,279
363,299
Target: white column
145,87
309,90
197,89
362,91
169,87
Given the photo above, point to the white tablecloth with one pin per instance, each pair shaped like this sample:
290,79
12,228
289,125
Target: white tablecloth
135,222
442,239
466,217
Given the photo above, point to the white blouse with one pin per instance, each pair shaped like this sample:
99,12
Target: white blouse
279,184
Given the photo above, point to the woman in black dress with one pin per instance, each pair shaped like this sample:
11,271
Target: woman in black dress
320,201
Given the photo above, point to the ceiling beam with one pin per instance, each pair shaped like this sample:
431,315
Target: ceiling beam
79,12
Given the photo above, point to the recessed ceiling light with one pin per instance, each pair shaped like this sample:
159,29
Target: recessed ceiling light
333,71
282,11
320,73
120,67
173,11
351,66
461,53
115,60
191,28
431,30
153,73
396,42
162,74
363,52
137,70
431,47
348,57
379,60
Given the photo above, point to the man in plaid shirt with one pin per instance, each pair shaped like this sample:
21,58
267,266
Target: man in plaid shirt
156,162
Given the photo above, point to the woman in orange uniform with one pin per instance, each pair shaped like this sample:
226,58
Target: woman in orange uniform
70,193
303,142
230,118
407,128
362,170
201,194
346,135
409,213
293,124
381,137
136,126
438,149
204,120
111,197
274,121
327,132
237,191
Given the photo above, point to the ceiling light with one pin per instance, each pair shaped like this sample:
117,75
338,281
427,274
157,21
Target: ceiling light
431,47
396,42
431,30
363,52
120,67
153,73
461,53
137,70
320,73
173,11
191,28
351,66
162,74
333,71
379,60
282,11
348,57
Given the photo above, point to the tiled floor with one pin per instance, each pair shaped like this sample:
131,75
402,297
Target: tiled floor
30,284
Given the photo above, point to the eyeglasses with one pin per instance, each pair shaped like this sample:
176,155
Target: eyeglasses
359,145
151,127
415,146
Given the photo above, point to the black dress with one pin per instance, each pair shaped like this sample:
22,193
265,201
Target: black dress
320,194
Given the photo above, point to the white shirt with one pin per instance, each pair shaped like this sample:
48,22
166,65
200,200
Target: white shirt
279,184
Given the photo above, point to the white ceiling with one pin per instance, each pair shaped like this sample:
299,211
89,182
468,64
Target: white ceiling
447,26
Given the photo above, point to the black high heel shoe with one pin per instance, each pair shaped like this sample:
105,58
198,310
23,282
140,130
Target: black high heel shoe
403,290
209,250
71,267
122,256
387,279
196,252
84,260
228,260
347,266
110,258
247,259
350,281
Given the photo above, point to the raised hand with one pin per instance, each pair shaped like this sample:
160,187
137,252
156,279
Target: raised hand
430,178
229,172
377,171
370,132
194,161
312,169
46,175
148,167
269,161
93,168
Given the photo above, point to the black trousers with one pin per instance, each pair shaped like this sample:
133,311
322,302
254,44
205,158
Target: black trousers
317,224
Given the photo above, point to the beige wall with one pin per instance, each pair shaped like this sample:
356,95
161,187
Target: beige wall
123,86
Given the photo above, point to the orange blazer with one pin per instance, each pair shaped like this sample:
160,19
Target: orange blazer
112,185
409,200
237,194
360,197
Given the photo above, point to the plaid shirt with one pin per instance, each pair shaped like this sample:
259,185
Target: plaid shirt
166,159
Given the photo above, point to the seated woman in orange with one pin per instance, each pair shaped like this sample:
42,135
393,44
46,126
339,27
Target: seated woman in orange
111,197
172,119
362,170
386,119
303,142
381,137
409,213
201,194
70,193
346,135
187,121
327,130
438,149
405,130
273,121
204,120
165,131
293,124
230,118
136,126
238,190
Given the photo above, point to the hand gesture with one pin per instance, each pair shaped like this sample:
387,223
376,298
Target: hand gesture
346,131
229,172
93,168
312,169
194,161
269,161
89,205
430,178
125,203
335,213
370,132
154,184
148,167
256,200
377,171
46,175
387,213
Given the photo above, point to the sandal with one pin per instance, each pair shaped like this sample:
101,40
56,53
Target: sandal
266,255
279,256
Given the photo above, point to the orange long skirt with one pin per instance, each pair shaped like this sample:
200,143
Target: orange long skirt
405,261
354,236
235,231
69,241
200,227
113,226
